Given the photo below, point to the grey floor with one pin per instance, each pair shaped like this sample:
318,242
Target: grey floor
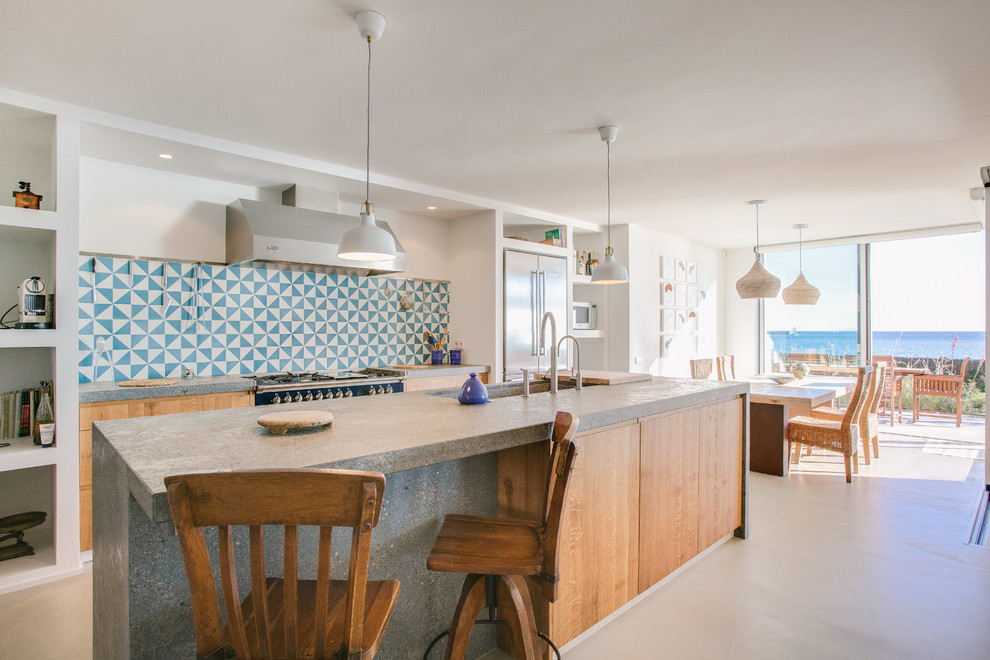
875,569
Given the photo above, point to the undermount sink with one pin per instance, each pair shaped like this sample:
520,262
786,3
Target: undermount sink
504,390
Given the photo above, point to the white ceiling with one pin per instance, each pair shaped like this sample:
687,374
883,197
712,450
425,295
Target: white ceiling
852,116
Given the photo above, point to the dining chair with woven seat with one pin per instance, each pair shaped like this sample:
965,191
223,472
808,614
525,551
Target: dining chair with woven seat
841,436
701,368
499,553
869,425
282,617
725,366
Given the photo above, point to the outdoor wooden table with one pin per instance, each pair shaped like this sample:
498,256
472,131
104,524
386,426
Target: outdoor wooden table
771,405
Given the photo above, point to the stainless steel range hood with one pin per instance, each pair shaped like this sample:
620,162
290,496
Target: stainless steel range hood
279,236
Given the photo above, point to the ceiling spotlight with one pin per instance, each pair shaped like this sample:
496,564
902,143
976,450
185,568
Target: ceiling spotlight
165,156
431,208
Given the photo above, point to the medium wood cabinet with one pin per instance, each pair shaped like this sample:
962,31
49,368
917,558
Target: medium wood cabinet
104,410
645,498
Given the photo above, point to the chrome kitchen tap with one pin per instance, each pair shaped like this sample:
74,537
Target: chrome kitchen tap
553,349
576,371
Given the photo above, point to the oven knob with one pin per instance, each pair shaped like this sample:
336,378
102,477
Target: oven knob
318,396
287,398
380,390
347,393
276,399
388,389
338,393
297,398
308,396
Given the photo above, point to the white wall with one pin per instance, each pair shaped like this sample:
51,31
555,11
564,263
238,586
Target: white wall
740,317
633,342
142,212
476,290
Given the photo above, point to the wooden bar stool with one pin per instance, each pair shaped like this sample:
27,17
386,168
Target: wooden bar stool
501,551
283,617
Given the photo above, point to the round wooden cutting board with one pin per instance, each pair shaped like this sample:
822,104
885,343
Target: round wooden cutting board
147,382
280,422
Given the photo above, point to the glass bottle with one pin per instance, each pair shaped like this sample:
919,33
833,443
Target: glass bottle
44,420
579,268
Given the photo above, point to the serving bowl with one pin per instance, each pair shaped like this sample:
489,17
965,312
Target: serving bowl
780,379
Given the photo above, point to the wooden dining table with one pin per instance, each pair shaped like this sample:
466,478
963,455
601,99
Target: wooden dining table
772,405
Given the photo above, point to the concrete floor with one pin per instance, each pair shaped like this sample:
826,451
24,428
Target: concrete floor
875,569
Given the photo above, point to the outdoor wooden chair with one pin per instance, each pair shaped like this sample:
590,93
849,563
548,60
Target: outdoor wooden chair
725,365
869,425
841,436
891,396
941,385
497,554
701,368
282,617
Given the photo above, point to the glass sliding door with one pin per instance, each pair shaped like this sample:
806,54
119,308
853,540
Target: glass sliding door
824,335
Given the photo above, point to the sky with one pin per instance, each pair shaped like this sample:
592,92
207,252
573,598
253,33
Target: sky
924,284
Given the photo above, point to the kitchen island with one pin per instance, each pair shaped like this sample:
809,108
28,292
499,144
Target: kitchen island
440,457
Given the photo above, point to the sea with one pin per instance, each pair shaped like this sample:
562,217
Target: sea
956,345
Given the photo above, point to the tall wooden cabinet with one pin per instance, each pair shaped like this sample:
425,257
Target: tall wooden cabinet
645,497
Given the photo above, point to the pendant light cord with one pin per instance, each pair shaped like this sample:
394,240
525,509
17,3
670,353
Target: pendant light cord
608,188
367,168
801,251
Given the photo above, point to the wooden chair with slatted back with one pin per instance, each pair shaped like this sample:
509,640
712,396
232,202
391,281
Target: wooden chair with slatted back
891,396
282,617
941,385
841,436
725,365
701,368
501,551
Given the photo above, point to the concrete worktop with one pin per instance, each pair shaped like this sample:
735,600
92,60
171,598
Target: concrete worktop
387,434
111,391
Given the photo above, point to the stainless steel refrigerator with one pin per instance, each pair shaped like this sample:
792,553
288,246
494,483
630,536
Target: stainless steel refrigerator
534,284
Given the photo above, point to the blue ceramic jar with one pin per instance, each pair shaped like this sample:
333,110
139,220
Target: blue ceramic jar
473,391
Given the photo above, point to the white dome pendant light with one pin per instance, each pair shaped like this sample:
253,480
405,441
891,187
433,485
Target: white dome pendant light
801,291
758,283
368,241
609,271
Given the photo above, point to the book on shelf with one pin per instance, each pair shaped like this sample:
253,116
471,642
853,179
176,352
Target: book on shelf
17,411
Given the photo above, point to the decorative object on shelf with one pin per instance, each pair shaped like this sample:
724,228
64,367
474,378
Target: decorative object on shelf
552,237
758,283
801,291
611,271
473,391
34,304
455,356
12,527
368,241
24,198
44,419
280,422
799,370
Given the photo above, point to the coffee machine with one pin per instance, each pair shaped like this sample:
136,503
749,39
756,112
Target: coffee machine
34,304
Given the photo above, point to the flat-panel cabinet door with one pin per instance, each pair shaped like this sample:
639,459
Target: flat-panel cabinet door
521,275
553,284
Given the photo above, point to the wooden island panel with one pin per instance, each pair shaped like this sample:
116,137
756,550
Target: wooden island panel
720,480
438,382
668,533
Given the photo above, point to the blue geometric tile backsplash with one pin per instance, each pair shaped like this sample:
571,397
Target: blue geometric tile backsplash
158,318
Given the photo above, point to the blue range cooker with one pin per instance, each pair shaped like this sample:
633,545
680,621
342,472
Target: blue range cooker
292,387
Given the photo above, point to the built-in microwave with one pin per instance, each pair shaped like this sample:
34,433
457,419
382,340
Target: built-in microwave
585,316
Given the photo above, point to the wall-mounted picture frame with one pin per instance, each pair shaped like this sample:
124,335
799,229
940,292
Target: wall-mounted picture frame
692,296
667,296
667,268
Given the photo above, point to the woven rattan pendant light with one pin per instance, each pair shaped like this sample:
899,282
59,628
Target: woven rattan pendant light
758,283
800,292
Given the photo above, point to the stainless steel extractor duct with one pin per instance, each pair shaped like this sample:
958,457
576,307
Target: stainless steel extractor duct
279,236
